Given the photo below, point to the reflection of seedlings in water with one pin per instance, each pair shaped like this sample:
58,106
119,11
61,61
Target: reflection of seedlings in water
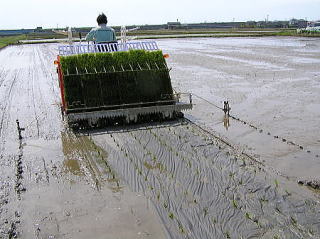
311,232
287,192
171,216
189,164
181,229
243,164
278,209
195,201
158,196
214,220
165,204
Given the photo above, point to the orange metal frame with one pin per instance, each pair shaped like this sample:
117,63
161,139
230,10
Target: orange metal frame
61,83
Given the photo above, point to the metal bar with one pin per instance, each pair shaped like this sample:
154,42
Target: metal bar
148,65
110,47
102,72
123,105
129,111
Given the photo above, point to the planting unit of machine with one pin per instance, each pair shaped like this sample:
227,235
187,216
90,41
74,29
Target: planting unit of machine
125,82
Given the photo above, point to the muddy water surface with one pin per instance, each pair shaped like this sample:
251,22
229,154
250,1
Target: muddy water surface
172,180
271,83
54,184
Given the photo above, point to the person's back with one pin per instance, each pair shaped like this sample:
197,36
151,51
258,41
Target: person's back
102,33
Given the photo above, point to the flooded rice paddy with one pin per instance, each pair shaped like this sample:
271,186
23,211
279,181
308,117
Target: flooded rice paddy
202,177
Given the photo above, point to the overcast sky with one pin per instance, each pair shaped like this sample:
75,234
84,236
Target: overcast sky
16,14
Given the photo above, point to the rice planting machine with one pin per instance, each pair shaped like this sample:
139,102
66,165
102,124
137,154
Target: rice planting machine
115,83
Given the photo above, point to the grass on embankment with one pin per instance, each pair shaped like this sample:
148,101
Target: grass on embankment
5,41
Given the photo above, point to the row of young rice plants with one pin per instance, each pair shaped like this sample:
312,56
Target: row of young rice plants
97,79
149,177
180,188
261,199
229,200
205,214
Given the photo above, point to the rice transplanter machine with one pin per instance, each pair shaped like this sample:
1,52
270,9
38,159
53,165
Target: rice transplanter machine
125,82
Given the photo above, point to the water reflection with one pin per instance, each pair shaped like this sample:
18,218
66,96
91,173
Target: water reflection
84,158
70,147
226,122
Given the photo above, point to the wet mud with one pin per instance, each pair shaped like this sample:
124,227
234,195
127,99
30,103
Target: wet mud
272,85
53,183
180,179
201,187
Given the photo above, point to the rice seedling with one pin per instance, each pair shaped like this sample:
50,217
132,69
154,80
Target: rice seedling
276,183
205,211
181,229
121,77
248,215
234,203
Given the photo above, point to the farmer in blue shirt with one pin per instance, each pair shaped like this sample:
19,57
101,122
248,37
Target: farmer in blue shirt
102,33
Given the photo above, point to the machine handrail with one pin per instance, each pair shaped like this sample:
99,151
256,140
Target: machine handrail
75,49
